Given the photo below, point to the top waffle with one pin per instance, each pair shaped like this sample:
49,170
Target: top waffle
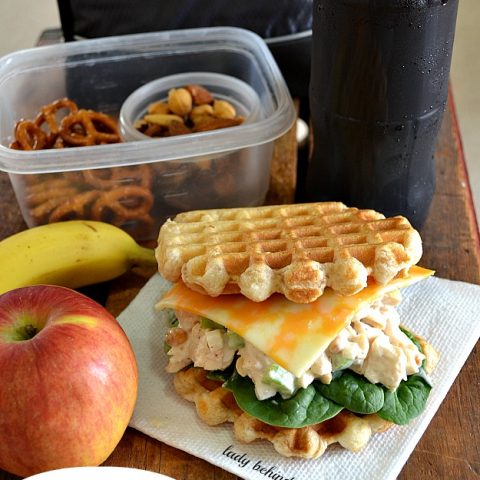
296,250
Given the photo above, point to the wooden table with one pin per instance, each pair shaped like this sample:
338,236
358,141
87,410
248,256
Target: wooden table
450,447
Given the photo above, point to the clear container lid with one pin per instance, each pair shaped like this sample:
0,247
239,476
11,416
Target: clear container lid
100,74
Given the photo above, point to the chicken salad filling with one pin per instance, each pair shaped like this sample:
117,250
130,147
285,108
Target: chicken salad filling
373,345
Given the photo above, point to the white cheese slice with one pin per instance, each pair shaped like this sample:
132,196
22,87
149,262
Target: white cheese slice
291,334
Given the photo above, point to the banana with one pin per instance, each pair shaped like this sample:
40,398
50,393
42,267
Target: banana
71,254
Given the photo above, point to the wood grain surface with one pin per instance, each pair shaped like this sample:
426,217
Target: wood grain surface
450,447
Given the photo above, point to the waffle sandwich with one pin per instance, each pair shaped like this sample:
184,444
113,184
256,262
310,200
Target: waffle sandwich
296,250
282,321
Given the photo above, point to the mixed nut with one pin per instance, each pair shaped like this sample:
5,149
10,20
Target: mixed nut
187,109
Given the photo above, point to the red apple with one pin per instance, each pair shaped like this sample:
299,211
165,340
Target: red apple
68,380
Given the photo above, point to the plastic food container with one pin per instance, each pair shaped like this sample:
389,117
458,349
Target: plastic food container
222,87
139,183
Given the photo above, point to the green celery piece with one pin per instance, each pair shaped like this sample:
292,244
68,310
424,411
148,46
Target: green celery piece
281,379
340,363
235,341
210,324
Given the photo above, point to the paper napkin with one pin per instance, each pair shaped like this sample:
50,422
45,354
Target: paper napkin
445,312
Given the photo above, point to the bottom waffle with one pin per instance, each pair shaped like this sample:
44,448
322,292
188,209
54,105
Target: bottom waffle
216,405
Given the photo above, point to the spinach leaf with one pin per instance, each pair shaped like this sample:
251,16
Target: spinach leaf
306,407
424,375
416,342
218,375
407,401
412,338
222,375
354,392
169,317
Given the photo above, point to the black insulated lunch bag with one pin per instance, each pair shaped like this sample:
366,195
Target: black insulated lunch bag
285,25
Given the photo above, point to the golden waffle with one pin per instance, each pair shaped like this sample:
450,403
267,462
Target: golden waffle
216,405
296,250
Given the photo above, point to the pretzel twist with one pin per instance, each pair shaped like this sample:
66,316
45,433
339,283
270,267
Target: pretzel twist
48,116
76,128
120,195
41,212
49,185
29,136
87,127
106,178
123,203
34,199
76,207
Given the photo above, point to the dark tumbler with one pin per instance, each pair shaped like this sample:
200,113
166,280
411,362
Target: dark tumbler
378,90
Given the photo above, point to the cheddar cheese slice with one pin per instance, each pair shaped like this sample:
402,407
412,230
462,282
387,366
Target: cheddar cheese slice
291,334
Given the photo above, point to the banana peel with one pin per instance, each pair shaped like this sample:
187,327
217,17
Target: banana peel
72,254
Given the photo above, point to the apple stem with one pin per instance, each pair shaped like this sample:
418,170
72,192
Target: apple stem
30,331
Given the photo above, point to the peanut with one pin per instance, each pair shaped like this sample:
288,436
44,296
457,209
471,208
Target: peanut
224,109
188,109
158,107
201,110
163,119
180,101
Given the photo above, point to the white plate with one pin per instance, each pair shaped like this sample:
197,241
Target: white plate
99,473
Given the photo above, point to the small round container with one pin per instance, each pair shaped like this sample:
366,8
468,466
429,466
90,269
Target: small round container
222,87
